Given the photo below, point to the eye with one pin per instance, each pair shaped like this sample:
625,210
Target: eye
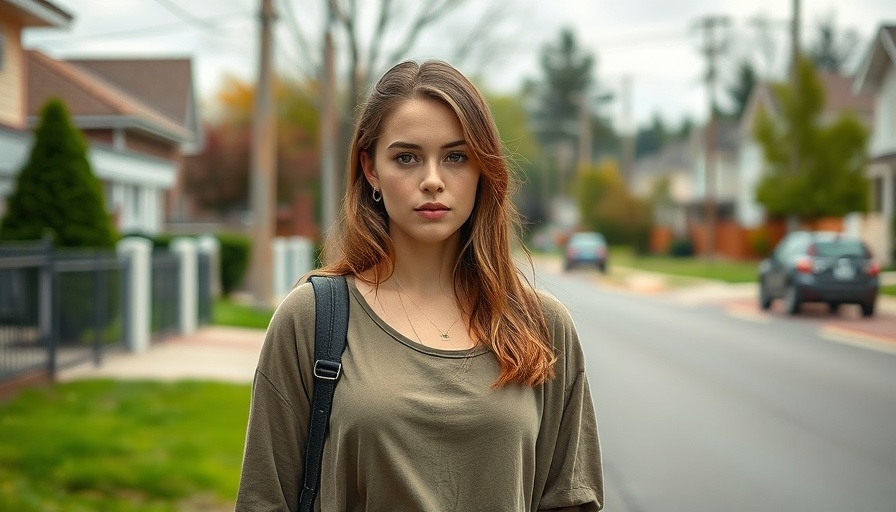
456,157
404,158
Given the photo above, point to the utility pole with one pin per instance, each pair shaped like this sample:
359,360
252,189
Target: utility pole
795,79
584,132
628,134
264,170
328,120
714,43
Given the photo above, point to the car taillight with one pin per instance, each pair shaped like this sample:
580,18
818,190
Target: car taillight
602,252
871,268
804,265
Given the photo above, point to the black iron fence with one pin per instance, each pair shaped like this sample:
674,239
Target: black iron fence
90,294
62,307
26,280
165,294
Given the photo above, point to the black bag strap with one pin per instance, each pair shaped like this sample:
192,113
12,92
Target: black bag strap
330,330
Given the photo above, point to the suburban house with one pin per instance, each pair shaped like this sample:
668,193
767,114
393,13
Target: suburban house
139,116
682,213
668,176
877,75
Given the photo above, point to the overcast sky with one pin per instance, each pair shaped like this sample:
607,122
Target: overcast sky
649,44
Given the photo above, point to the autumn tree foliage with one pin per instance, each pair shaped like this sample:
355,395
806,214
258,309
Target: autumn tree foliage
218,178
606,205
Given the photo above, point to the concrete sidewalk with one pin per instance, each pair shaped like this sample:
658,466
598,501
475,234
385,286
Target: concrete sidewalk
227,354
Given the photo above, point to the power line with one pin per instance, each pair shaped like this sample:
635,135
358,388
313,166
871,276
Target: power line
153,30
184,15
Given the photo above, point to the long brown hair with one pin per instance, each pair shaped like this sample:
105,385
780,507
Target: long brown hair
504,310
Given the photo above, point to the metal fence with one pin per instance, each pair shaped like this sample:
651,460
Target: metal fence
26,280
165,294
90,294
204,308
64,307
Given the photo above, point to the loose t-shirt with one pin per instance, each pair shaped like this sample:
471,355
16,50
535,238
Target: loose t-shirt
415,428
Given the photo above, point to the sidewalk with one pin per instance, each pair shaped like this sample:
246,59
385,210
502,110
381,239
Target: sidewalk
227,354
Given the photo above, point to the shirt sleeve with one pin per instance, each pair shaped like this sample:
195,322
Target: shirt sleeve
274,454
575,474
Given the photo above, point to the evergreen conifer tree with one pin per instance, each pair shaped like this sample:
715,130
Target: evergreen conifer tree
56,190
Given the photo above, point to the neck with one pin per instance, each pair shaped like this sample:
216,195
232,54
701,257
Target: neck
425,267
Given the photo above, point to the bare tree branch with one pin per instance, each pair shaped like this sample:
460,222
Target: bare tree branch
480,32
303,46
373,51
431,12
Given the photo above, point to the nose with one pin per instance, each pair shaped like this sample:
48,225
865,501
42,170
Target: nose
432,180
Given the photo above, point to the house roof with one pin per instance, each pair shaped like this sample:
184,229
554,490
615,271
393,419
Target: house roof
880,56
839,97
727,135
93,101
672,157
35,13
166,85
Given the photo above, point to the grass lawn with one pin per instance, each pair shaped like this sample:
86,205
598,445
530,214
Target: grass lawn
723,270
888,290
105,445
227,312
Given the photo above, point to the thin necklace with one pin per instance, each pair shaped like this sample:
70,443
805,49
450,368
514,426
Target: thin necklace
444,335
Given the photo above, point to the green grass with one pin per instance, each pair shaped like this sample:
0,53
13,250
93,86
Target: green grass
888,290
122,446
723,270
227,312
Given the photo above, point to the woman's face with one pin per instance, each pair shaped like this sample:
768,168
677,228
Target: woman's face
425,171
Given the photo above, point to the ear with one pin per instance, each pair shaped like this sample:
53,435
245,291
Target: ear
369,169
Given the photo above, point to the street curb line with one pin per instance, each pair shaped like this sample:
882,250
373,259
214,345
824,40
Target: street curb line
858,339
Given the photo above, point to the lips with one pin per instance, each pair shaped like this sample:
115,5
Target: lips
432,207
432,211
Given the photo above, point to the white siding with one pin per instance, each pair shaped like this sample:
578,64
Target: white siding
883,136
747,211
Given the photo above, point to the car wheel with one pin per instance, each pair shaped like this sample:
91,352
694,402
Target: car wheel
868,308
603,268
792,300
765,300
834,307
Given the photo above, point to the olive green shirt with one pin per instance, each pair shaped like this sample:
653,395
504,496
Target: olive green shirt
414,428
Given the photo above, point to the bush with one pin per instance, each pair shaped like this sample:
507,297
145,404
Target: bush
56,191
235,253
760,242
681,248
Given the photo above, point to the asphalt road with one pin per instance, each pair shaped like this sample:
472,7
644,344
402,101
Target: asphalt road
702,410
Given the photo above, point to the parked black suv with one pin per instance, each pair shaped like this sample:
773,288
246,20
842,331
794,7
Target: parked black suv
819,266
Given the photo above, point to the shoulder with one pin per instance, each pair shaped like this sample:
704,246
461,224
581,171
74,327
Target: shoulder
564,336
554,311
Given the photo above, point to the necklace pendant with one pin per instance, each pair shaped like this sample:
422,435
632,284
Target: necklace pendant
445,337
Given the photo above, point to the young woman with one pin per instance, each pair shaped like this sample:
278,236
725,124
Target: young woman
463,389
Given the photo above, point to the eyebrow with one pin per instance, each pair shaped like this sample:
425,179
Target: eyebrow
408,145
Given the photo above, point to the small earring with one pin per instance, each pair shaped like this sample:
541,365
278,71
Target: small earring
377,196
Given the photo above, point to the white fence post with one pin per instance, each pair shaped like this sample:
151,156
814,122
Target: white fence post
281,272
138,251
185,248
300,260
210,245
